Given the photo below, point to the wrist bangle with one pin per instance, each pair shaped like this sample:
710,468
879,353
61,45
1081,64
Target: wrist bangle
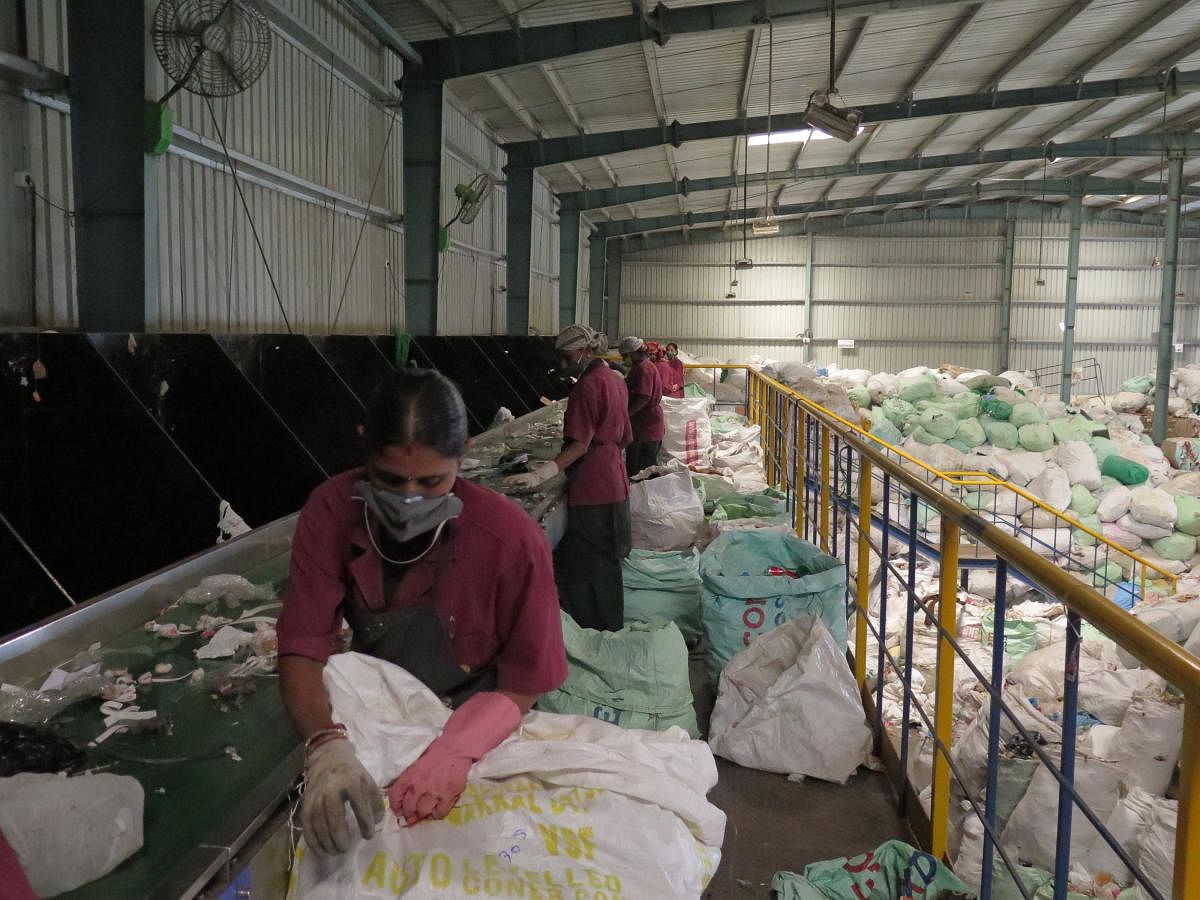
337,730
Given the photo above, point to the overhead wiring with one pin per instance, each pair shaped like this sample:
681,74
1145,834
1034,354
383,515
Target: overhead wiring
246,209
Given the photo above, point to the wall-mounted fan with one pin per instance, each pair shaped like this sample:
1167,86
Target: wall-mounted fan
471,198
214,48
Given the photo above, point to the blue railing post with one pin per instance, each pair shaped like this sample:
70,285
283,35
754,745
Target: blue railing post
910,614
883,580
837,468
993,753
1070,709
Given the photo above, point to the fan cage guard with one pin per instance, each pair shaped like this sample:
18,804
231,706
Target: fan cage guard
232,37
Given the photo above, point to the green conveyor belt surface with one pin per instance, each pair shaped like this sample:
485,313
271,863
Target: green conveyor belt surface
198,798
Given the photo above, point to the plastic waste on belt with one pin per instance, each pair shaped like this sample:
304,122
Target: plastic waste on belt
635,678
741,601
891,871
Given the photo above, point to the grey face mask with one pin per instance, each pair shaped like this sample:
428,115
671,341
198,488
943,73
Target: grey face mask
407,516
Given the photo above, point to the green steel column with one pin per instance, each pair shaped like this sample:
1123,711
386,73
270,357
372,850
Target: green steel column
596,282
422,108
1166,317
107,53
568,267
1068,339
1010,236
613,306
808,295
518,239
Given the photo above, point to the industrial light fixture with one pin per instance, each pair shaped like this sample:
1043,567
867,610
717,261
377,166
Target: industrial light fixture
842,123
1137,198
765,227
744,263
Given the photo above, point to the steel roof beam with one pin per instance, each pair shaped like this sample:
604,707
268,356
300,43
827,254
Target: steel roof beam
948,39
1111,187
441,14
477,53
369,16
557,150
988,210
1136,145
30,74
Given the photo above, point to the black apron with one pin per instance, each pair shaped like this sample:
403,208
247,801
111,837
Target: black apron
414,637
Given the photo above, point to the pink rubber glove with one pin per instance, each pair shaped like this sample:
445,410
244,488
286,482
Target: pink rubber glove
12,876
429,788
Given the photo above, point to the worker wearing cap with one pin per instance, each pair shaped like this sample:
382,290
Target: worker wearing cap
587,561
445,578
645,406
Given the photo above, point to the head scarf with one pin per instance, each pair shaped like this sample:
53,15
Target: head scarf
630,345
580,337
654,350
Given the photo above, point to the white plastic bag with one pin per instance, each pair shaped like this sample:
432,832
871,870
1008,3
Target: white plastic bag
1128,820
1031,830
688,434
1127,402
1114,503
1156,849
1146,532
566,800
1079,462
1148,746
788,704
1023,466
1107,694
1152,506
69,831
666,512
1053,487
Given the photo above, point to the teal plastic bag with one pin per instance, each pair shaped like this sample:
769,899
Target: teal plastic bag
1124,470
882,427
662,587
751,506
1139,385
893,870
996,408
741,601
635,678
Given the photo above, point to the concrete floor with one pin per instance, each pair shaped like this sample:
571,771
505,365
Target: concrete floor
775,824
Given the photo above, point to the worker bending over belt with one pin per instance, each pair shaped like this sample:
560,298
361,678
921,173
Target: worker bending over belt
587,561
645,406
447,579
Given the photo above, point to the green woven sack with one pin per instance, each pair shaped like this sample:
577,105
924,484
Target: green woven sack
939,423
921,436
1083,501
662,587
882,427
970,433
898,411
860,397
894,869
635,678
1103,448
916,387
742,601
750,506
1139,385
1002,434
1082,538
978,500
1035,437
1177,546
1027,414
1188,520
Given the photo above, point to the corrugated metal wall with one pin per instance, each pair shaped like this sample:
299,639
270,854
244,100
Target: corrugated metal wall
473,272
919,293
305,122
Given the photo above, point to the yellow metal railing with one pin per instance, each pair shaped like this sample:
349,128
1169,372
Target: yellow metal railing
771,404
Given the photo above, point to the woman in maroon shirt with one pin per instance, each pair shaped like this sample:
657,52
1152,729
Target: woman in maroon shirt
449,580
587,561
674,380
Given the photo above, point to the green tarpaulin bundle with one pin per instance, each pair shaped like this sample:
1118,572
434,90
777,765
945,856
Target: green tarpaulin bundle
635,678
891,871
662,587
751,506
741,600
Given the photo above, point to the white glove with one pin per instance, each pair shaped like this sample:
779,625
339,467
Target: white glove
333,778
542,473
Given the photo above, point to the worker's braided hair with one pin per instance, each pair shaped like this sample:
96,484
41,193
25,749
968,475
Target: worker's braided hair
417,406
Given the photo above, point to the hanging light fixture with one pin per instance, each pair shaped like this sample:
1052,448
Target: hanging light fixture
836,121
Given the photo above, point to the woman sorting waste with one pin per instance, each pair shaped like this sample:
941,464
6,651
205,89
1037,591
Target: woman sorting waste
645,406
587,561
447,579
673,379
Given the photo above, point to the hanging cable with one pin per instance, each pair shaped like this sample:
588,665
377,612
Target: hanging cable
832,44
363,226
770,85
1042,222
249,218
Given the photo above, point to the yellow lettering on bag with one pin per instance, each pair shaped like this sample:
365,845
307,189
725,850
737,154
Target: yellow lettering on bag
376,871
406,875
441,870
